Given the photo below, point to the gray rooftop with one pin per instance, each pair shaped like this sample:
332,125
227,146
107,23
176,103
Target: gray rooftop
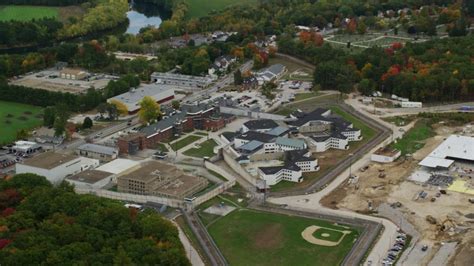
136,95
297,143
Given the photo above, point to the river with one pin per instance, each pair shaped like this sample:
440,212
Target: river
142,15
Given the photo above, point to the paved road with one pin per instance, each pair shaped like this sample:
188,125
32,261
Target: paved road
191,252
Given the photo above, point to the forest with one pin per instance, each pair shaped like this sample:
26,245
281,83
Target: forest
43,2
41,224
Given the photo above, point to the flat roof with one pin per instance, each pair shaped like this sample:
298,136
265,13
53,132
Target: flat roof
49,160
386,151
180,185
454,147
150,170
118,166
90,176
136,95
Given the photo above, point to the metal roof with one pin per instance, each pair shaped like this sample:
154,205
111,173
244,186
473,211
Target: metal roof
98,149
297,143
454,147
278,131
251,146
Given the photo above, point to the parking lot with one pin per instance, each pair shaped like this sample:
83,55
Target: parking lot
50,80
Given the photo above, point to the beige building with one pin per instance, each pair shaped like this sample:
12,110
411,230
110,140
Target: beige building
73,73
159,179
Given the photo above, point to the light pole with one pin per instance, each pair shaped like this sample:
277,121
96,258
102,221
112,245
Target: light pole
176,148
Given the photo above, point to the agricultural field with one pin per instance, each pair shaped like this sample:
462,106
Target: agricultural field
248,237
26,13
16,116
201,8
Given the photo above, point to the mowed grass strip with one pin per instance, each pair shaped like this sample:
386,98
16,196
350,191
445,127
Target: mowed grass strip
206,149
27,13
366,131
201,8
415,138
248,237
17,116
306,95
177,145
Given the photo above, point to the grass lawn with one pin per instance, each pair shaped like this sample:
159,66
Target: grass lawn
308,105
26,13
179,144
200,133
206,149
201,8
249,237
17,116
400,120
306,95
161,147
415,138
192,237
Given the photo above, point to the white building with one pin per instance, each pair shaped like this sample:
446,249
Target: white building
25,147
55,166
91,179
180,80
270,73
119,167
324,129
385,155
99,152
296,163
411,104
131,99
453,148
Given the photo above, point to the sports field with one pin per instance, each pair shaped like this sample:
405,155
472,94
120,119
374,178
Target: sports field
201,8
26,13
248,237
15,116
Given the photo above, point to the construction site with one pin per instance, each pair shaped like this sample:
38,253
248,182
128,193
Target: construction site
440,209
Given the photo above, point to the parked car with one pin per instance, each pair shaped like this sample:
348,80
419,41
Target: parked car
424,248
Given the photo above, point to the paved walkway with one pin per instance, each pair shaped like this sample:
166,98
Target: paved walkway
191,252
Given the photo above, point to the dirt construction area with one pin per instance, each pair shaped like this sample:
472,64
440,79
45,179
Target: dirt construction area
438,217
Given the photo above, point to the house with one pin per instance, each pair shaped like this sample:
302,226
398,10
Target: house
131,99
296,162
159,179
249,83
220,36
407,104
324,130
73,73
55,166
270,73
99,152
221,65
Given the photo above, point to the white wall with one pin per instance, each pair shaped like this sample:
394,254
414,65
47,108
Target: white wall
411,104
57,174
383,158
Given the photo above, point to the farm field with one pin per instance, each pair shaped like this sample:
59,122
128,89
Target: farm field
16,116
26,13
201,8
248,237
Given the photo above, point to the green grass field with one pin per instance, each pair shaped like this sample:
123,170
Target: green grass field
415,138
177,145
16,116
201,8
249,237
306,95
26,13
206,149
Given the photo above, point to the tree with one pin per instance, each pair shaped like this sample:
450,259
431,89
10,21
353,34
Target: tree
366,87
49,115
87,123
175,104
238,77
120,106
149,110
361,27
22,134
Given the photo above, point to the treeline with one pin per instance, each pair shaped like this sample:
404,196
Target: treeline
39,31
43,2
100,15
438,70
41,224
75,102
